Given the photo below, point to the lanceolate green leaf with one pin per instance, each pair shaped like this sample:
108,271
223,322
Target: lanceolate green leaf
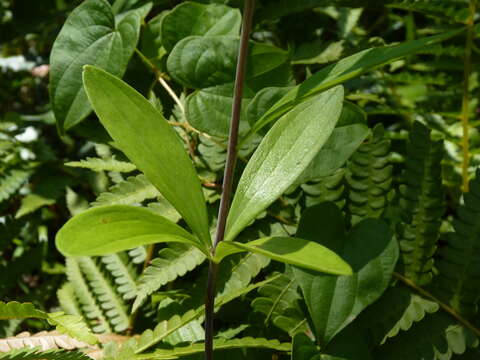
89,36
290,250
147,139
344,70
282,156
191,18
108,229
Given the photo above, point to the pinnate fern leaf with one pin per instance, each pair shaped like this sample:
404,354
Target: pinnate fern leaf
86,298
172,262
459,269
100,164
278,302
218,344
124,273
133,190
369,177
110,299
36,354
71,325
422,204
12,181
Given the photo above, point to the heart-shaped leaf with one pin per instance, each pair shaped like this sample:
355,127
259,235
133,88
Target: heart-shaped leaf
147,139
109,229
284,153
191,18
290,250
369,248
203,61
90,36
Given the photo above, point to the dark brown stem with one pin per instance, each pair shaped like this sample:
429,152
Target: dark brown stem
228,174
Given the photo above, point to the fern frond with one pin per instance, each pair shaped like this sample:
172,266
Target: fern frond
417,78
167,327
68,300
446,9
443,50
459,268
397,310
133,190
43,340
89,304
138,255
99,164
369,176
218,344
123,272
109,299
241,272
278,302
330,188
36,354
422,204
436,337
11,182
172,262
16,310
71,325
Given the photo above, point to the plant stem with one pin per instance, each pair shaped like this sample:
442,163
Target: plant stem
228,174
442,305
466,95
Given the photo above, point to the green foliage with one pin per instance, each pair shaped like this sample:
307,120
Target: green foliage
171,263
154,165
36,354
282,156
421,202
458,266
370,177
91,35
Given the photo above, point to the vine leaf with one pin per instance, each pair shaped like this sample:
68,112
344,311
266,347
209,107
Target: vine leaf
147,139
369,248
207,20
108,229
89,36
284,153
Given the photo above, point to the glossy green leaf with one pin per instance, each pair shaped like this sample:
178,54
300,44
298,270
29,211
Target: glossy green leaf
90,36
282,156
369,248
147,139
303,348
209,110
109,229
263,101
290,250
346,69
191,18
203,61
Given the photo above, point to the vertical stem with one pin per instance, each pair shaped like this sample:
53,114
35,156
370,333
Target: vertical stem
228,174
466,96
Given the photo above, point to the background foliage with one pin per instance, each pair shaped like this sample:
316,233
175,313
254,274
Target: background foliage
398,156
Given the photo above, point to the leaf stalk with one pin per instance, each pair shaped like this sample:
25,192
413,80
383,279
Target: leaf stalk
228,173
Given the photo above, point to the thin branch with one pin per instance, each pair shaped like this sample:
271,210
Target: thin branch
466,96
442,305
171,93
229,172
